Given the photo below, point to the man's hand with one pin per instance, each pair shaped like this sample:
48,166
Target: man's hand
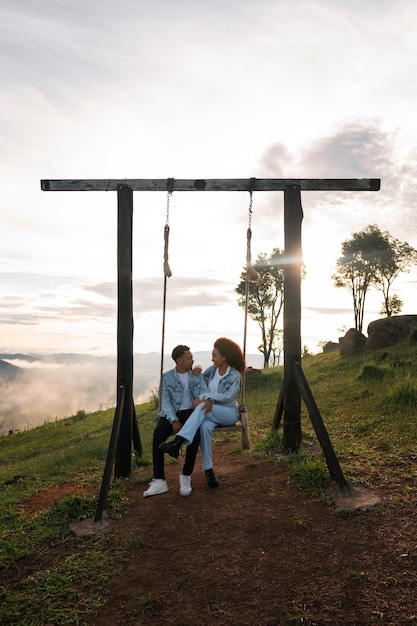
176,426
208,405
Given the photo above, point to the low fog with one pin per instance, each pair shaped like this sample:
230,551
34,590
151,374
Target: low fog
38,389
35,391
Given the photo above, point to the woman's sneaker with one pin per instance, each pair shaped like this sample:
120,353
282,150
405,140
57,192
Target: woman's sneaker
211,478
172,447
156,486
185,485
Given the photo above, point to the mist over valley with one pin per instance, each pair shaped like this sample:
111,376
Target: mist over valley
35,388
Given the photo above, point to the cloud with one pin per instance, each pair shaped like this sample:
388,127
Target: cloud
357,150
183,292
276,161
191,89
332,311
46,35
64,304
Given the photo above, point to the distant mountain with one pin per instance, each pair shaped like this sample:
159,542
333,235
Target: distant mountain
15,356
8,372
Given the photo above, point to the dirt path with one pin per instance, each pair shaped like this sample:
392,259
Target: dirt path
258,551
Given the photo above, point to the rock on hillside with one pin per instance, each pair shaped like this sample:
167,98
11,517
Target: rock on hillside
382,333
352,343
386,332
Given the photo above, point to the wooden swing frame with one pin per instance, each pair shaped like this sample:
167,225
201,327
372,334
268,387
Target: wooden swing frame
125,429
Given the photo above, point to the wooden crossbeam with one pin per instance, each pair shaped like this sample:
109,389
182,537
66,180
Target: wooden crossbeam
214,184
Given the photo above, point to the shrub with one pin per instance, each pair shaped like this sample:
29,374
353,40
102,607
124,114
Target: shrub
403,395
373,372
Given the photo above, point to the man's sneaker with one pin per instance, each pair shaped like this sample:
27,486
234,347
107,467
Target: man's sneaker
156,486
185,485
211,478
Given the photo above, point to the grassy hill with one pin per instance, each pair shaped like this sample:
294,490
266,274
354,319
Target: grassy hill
368,404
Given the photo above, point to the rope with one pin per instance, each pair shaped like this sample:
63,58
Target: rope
164,302
251,275
245,329
167,269
167,274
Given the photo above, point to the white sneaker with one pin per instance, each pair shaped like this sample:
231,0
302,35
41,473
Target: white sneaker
185,485
156,486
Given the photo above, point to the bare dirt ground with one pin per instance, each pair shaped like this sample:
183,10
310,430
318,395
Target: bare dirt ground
259,551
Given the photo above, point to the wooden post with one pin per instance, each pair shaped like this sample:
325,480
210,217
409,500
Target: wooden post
293,215
319,427
123,461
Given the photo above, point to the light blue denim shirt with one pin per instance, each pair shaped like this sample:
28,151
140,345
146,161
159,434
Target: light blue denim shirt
228,386
172,392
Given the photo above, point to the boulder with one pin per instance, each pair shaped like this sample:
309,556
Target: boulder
252,371
352,342
386,332
330,346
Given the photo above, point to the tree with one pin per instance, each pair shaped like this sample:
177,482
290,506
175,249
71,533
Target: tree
358,267
396,259
391,306
373,258
277,346
265,301
276,349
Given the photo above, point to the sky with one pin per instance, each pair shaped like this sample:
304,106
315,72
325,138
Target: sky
194,89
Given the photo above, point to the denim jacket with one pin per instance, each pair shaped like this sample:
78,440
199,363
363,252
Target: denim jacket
172,392
228,386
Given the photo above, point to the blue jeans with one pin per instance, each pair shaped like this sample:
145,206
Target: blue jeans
220,415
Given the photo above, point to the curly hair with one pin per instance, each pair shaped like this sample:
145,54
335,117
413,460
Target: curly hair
178,351
231,352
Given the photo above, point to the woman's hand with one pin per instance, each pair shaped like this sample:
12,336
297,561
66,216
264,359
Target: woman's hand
208,404
197,369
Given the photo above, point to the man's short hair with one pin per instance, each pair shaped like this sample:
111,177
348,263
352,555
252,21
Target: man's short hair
178,351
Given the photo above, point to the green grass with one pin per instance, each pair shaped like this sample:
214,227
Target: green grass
368,404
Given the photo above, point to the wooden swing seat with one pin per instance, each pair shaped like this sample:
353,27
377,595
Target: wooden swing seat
234,428
241,426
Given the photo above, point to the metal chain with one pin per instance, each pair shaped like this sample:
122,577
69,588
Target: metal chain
169,194
250,208
170,189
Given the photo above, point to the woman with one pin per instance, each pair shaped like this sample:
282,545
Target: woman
217,407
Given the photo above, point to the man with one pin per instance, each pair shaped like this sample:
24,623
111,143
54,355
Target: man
179,389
